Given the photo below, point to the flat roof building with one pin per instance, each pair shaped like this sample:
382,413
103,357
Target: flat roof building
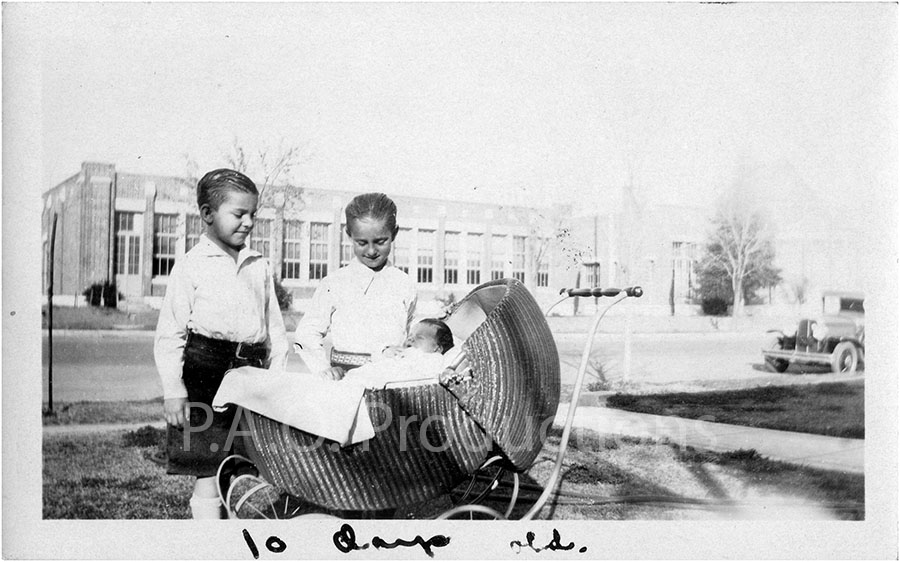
131,228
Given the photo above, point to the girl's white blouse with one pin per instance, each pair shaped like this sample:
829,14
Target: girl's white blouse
363,310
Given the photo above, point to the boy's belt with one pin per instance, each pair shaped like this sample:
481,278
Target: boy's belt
228,348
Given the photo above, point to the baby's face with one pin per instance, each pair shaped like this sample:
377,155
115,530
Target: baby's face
424,337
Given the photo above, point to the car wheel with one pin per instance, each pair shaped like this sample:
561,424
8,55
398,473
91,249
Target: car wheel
777,365
844,358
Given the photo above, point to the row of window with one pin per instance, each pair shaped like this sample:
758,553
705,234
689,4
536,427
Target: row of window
463,254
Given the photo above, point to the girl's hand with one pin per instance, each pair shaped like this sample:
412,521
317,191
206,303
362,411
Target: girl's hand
392,351
332,374
175,411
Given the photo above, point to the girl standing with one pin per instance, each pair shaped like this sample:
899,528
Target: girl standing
366,306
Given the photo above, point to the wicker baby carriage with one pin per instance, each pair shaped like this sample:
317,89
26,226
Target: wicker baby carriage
499,399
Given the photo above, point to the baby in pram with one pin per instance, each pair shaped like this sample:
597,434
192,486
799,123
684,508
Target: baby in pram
336,409
422,357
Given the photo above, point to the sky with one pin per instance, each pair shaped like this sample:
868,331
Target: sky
523,103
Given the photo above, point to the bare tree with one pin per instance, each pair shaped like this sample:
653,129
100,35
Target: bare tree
800,290
546,228
269,164
739,245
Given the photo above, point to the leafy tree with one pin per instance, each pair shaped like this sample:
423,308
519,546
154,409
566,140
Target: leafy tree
739,256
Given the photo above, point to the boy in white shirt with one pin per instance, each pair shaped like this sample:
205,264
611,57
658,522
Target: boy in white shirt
220,312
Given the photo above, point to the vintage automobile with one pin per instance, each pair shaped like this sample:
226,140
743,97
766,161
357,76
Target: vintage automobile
836,339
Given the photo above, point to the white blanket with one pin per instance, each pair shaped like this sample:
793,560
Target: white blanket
335,410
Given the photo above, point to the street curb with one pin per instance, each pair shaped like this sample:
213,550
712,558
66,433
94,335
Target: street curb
99,333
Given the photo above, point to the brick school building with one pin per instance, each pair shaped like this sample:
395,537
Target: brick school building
131,229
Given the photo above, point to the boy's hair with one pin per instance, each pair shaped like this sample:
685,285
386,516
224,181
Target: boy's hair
213,188
443,335
374,205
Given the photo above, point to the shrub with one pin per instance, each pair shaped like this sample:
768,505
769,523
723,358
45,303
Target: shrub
94,294
285,297
597,369
110,294
102,294
714,306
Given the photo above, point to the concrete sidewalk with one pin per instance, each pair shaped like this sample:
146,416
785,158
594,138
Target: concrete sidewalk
817,451
69,429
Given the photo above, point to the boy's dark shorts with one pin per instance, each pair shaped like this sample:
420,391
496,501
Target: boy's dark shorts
202,444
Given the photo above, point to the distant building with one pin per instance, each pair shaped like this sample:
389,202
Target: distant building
131,229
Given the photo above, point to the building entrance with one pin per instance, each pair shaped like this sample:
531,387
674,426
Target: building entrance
129,227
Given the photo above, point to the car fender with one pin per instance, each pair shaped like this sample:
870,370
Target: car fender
855,341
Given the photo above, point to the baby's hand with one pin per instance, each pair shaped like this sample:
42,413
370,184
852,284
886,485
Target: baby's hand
332,374
392,351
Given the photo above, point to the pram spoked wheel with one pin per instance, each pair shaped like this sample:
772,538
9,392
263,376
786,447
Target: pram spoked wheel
247,496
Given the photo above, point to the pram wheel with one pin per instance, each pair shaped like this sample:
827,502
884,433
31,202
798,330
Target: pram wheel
247,496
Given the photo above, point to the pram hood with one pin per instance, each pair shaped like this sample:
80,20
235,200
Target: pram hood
514,391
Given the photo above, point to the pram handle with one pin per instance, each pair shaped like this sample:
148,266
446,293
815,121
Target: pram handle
599,292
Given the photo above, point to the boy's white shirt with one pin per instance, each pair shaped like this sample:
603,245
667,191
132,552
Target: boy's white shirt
364,310
211,294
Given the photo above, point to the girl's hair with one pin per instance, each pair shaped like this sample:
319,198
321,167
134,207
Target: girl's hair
374,205
213,188
443,335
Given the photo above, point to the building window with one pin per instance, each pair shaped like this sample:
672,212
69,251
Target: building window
592,274
543,266
346,246
425,255
128,245
451,258
165,239
193,229
518,258
684,254
261,238
318,250
290,266
498,256
473,258
401,249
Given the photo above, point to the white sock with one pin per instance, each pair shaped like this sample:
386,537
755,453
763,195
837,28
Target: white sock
206,508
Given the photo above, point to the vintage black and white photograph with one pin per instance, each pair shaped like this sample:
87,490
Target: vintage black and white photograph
440,280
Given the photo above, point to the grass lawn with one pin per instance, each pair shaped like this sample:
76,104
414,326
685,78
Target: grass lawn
834,409
106,475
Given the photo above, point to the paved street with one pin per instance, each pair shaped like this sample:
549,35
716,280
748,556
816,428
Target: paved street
90,365
94,365
665,358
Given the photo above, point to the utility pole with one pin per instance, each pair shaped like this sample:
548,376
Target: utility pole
50,316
